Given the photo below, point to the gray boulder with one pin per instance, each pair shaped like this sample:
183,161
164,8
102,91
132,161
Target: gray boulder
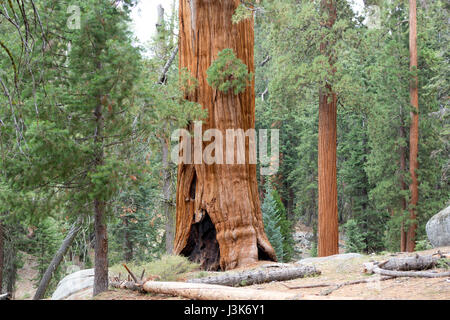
438,229
74,283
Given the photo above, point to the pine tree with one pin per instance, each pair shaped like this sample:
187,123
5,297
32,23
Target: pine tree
271,218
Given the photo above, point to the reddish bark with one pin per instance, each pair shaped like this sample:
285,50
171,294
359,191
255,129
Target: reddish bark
414,128
403,186
218,217
328,228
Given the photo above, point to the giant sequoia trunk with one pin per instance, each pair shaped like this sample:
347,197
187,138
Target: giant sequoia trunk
328,228
414,129
218,219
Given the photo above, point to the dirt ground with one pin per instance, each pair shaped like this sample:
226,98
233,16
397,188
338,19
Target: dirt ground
333,271
337,271
25,284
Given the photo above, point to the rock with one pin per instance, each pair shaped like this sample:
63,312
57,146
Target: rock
72,284
340,257
438,228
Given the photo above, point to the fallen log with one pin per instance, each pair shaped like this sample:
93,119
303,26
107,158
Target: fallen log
373,268
410,263
263,274
201,291
5,296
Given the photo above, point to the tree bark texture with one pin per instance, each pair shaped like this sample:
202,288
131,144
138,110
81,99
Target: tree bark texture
328,242
100,229
218,216
414,128
403,184
57,258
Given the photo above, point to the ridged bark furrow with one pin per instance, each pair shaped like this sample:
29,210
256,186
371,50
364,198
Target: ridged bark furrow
227,194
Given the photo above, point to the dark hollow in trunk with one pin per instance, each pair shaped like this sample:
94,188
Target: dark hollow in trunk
202,246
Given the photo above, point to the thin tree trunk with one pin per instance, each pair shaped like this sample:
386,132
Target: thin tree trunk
101,249
414,129
2,251
57,258
402,184
11,272
168,207
100,229
327,179
219,221
128,254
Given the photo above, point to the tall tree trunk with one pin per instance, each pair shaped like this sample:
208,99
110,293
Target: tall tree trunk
168,207
100,230
11,272
414,129
218,216
403,185
328,228
2,253
57,258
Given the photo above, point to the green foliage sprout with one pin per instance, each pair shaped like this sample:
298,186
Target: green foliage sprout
228,72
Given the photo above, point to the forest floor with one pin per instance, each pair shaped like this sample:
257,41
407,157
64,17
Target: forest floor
337,271
333,271
25,284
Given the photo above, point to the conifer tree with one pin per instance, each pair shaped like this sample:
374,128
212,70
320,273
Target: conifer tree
272,220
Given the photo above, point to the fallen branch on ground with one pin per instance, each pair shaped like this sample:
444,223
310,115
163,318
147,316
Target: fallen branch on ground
127,285
274,272
5,296
370,267
337,285
201,291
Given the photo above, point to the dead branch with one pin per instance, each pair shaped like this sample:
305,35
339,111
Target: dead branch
336,287
260,275
373,268
129,285
131,274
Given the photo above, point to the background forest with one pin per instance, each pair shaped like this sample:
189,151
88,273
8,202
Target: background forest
86,118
